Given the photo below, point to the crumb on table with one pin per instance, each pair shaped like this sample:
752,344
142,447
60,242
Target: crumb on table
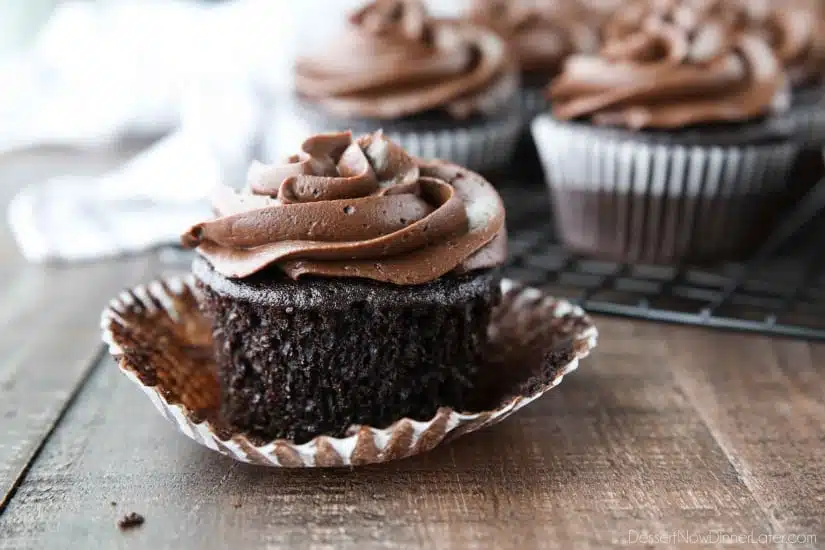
130,521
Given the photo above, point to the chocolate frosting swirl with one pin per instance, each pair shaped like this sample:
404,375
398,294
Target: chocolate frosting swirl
355,208
795,29
540,34
679,65
394,60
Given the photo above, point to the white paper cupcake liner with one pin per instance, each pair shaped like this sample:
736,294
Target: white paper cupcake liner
641,201
479,147
162,343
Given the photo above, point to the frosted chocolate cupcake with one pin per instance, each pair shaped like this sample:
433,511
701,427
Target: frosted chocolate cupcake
665,147
441,88
796,32
599,13
352,284
541,35
795,29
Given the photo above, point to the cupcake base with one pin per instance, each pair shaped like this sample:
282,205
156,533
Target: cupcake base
694,196
163,343
300,359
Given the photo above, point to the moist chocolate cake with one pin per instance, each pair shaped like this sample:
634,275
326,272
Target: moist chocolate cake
351,285
332,353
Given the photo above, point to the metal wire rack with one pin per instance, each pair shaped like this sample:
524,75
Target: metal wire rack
780,291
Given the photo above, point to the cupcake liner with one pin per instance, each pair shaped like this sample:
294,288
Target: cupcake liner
809,125
532,103
478,146
642,201
162,342
807,117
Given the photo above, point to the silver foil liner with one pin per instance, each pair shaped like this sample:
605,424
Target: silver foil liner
479,147
162,343
639,201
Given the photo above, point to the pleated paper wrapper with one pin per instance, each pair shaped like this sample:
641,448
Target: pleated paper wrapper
162,343
661,203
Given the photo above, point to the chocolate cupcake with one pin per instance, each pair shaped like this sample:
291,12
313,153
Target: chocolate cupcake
541,35
665,147
796,32
352,284
441,88
794,29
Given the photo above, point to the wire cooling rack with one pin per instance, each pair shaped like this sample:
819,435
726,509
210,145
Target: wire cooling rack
781,290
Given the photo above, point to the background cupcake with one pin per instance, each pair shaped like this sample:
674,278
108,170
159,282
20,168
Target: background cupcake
352,284
795,31
442,88
600,12
541,35
665,147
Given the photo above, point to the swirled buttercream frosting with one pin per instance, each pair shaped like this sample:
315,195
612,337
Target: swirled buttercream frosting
677,66
540,34
364,208
395,60
794,29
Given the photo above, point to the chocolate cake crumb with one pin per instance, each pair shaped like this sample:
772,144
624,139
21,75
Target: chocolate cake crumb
130,521
296,360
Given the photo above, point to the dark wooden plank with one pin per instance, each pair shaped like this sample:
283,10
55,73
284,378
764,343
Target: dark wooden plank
763,400
49,321
616,449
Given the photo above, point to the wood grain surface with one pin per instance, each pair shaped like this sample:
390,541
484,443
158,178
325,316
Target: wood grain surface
619,449
49,319
665,431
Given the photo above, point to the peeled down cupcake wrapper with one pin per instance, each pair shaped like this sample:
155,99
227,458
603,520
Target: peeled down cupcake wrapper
161,341
480,146
647,202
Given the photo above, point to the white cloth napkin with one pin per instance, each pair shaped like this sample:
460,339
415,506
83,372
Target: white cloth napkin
204,75
151,199
100,72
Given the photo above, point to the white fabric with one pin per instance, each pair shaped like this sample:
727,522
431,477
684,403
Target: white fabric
202,74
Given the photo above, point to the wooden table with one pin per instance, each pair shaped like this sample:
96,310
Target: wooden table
665,432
